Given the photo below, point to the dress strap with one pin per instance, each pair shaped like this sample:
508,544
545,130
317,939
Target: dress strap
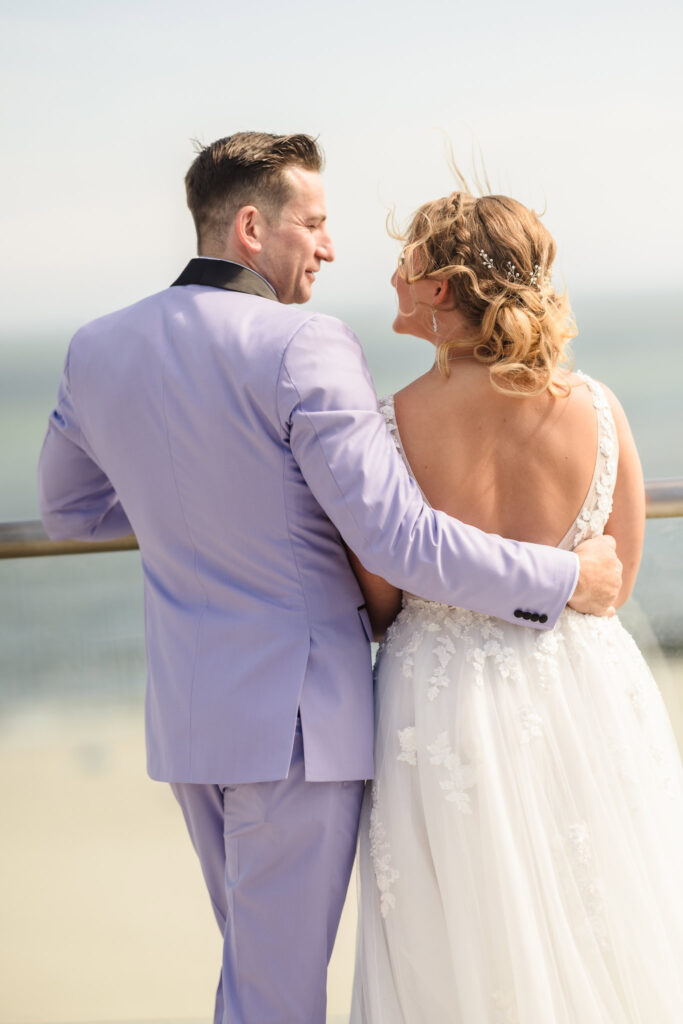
597,506
387,408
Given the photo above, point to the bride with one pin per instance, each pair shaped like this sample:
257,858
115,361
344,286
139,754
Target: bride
521,845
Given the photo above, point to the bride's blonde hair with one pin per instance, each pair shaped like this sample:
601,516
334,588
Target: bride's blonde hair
497,257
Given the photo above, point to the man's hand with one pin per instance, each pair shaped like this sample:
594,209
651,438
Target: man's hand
599,577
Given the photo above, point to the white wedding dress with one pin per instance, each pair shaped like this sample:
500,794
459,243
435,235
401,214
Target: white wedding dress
521,848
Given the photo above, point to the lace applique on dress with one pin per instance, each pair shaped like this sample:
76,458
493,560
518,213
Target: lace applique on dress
408,745
597,506
386,407
380,852
505,1007
530,722
580,850
457,776
547,647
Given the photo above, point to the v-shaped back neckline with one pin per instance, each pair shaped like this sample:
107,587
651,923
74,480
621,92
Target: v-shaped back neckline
597,505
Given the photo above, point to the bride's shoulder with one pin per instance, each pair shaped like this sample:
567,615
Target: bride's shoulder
578,379
417,385
420,390
586,388
597,393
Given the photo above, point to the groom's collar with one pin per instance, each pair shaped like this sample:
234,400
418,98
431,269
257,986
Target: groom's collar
223,274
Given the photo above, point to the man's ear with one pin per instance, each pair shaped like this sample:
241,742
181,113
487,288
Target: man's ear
248,228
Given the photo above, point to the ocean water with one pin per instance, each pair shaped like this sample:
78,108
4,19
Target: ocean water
71,627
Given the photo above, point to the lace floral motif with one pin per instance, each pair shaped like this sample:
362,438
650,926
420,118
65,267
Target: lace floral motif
443,652
581,856
604,632
547,646
386,407
380,852
410,647
458,777
504,1007
637,691
664,770
597,507
445,625
623,758
408,745
530,723
503,658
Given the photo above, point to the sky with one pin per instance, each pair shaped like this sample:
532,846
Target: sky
574,108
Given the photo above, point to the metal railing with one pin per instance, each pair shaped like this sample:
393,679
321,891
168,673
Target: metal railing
27,538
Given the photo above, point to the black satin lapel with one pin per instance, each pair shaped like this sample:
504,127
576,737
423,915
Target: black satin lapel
221,274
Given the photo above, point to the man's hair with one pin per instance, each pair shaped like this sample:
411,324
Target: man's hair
245,169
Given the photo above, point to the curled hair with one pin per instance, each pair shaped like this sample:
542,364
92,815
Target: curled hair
245,169
497,257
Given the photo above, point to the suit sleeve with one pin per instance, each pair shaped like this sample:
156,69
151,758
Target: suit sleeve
77,500
329,415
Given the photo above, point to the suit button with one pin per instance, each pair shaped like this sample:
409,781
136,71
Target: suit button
526,615
543,618
534,617
519,614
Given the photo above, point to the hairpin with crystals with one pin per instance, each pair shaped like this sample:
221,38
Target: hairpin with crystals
511,273
540,281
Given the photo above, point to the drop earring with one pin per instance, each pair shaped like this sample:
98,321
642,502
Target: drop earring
435,326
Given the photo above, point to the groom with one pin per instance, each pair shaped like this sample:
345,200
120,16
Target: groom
239,438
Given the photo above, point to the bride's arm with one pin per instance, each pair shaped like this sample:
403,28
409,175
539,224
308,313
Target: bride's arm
627,520
382,600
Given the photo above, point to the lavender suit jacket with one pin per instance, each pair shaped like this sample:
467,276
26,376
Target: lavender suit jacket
239,438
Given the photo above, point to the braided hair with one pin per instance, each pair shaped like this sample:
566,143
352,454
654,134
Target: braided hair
497,257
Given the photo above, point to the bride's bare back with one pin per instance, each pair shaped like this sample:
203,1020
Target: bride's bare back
519,467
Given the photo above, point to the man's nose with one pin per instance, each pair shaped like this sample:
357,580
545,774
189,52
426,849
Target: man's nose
326,249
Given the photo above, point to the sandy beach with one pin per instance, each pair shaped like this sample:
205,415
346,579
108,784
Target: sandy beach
105,917
104,912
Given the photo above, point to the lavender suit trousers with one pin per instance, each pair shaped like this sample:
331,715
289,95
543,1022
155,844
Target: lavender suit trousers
276,859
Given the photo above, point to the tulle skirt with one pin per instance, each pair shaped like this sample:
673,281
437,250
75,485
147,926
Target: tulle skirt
521,849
